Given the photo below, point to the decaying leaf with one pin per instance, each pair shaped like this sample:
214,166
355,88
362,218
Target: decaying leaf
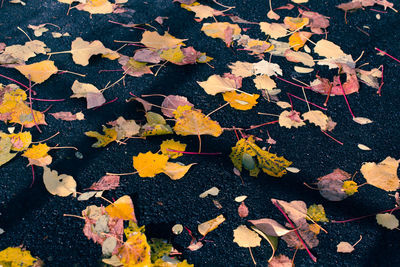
241,101
245,237
149,164
280,261
68,116
82,50
243,211
345,247
387,220
242,155
213,191
93,96
216,84
221,30
208,226
317,213
156,125
134,68
382,175
331,185
61,185
122,209
172,102
107,182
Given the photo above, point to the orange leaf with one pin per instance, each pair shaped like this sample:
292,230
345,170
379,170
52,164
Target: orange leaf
149,164
241,101
298,39
38,72
193,122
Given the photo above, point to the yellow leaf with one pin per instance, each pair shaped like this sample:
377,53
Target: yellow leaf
216,84
241,101
193,122
242,155
5,145
350,187
295,23
110,135
61,185
201,11
218,29
298,39
122,208
97,7
174,55
180,110
387,220
245,237
156,41
156,125
38,72
318,118
173,145
327,49
149,164
290,119
275,30
176,171
22,114
242,69
135,251
317,213
36,151
382,175
208,226
11,98
20,141
81,51
16,257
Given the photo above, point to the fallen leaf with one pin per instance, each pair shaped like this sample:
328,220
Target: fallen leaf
298,39
302,57
245,237
109,136
318,118
213,191
61,185
68,116
5,144
18,54
240,199
241,101
172,145
149,164
267,68
154,40
350,187
344,247
270,227
280,260
216,84
293,169
19,141
202,11
221,30
96,6
108,182
283,104
382,175
134,68
362,120
208,226
265,82
387,220
93,96
82,50
193,122
317,213
243,211
172,102
156,125
303,70
135,251
242,69
124,128
38,72
122,209
275,30
36,151
290,119
38,30
296,210
295,24
331,185
147,55
17,257
363,147
327,49
176,171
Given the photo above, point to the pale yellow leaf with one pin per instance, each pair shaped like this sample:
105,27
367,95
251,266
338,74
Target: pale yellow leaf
275,30
157,41
242,69
326,48
382,175
363,147
318,118
303,70
387,220
216,84
61,185
362,120
345,247
176,171
245,237
208,226
290,119
82,50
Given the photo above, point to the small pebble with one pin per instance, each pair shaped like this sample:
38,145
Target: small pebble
78,155
378,16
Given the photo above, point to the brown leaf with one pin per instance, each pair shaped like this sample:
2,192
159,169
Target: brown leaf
108,182
331,185
68,116
172,102
270,227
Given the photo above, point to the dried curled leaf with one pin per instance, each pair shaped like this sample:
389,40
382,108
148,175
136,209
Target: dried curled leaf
245,237
149,164
38,72
382,175
241,101
61,185
193,122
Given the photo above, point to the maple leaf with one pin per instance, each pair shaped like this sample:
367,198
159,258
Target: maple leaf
208,226
61,185
149,164
16,256
36,151
173,145
221,30
241,101
157,41
82,51
110,135
38,72
193,122
216,84
176,171
134,68
382,175
243,153
245,237
122,208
